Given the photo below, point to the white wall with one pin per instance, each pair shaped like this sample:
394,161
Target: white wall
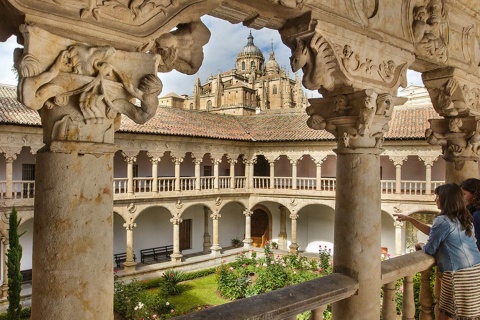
26,241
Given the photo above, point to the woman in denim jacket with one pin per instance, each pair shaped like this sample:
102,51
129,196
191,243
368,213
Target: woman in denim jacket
452,242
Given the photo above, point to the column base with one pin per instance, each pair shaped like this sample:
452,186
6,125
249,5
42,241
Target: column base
176,257
293,248
5,291
129,266
216,250
247,243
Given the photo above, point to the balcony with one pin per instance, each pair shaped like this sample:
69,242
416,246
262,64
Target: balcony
24,191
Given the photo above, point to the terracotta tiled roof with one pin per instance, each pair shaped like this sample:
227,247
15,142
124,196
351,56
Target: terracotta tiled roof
13,112
408,122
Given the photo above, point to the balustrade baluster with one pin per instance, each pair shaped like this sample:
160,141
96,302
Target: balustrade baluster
408,303
426,299
317,314
389,310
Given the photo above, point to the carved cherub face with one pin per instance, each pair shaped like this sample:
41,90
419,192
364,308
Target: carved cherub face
347,51
369,103
340,102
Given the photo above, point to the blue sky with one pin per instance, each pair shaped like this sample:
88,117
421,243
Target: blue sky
226,41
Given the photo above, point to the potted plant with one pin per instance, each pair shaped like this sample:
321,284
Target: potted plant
236,242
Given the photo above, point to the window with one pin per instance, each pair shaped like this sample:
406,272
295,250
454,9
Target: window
191,106
209,104
275,89
252,65
186,234
207,171
243,65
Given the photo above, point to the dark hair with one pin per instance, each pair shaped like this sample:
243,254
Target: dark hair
452,204
472,185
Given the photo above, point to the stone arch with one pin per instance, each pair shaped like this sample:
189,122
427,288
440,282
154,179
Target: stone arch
232,222
26,241
260,233
119,233
315,225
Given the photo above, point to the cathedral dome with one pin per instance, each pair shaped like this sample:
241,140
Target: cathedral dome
272,65
250,50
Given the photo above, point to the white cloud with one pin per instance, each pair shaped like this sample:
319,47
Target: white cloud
6,61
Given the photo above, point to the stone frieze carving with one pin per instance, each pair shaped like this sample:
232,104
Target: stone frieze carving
82,92
338,58
430,30
454,97
133,11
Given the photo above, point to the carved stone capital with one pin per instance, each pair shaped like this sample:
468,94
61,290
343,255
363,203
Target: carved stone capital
177,160
10,154
294,158
293,216
357,120
333,57
458,137
80,90
130,224
176,220
130,158
453,92
215,215
398,224
231,160
247,213
197,161
428,160
397,160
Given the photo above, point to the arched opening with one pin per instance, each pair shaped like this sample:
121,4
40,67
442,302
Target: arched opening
260,228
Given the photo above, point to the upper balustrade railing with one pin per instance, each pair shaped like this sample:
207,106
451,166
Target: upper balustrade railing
146,185
316,294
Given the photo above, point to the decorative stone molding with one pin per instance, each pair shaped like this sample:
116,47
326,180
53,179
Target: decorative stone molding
430,30
366,122
333,58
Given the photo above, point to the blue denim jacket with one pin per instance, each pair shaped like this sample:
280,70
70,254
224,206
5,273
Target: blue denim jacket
452,248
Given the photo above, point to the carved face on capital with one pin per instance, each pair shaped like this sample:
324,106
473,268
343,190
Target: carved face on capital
434,9
347,51
420,14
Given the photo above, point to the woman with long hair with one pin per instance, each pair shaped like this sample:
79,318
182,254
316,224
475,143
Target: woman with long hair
471,192
451,241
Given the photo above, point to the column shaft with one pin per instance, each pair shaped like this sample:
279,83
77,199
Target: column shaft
398,178
428,179
9,178
357,233
72,236
319,177
177,175
155,176
130,176
460,173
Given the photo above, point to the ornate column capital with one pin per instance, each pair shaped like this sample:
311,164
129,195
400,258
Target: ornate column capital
357,120
176,220
397,160
294,159
130,158
80,90
458,137
216,161
398,224
231,160
197,161
319,161
247,213
177,160
293,216
130,224
428,160
215,215
251,161
155,158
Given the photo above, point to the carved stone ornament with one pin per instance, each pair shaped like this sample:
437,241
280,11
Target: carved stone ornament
131,25
357,120
80,90
430,30
451,95
332,58
458,137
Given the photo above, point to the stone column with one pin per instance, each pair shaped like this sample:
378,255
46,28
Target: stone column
197,173
318,175
398,161
129,265
4,268
176,256
78,98
232,163
216,249
154,159
428,160
9,158
399,238
130,159
294,163
272,174
177,161
451,91
294,246
247,242
206,236
282,236
249,171
216,162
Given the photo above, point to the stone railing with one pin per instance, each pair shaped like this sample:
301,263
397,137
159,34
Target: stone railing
25,189
316,294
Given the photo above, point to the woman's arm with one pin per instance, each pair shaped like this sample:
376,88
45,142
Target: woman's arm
417,224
